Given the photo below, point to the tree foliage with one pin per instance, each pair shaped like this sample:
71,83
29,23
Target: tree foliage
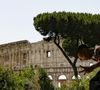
44,81
83,26
83,84
75,28
28,79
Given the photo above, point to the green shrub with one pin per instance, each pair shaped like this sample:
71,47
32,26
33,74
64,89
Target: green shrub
82,84
28,79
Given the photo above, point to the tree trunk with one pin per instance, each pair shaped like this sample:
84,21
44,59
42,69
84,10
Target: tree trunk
73,64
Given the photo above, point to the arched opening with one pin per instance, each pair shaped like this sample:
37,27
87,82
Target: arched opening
61,80
79,77
50,77
62,77
91,63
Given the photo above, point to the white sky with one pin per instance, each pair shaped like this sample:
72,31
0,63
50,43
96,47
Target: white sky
16,16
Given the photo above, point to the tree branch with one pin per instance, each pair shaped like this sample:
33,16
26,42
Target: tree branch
64,53
75,60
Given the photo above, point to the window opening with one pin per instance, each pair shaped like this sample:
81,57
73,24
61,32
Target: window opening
48,53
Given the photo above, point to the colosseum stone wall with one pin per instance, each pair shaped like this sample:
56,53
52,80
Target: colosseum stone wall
17,55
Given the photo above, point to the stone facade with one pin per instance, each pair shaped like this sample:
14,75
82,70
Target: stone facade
17,55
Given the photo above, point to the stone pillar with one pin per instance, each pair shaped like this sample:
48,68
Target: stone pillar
21,59
18,58
55,80
12,59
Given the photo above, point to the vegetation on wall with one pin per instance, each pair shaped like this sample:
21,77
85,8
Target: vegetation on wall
28,79
83,83
36,79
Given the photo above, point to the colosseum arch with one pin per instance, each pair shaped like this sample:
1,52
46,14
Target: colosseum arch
50,77
79,77
61,80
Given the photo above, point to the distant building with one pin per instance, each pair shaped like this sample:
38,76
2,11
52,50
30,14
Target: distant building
17,55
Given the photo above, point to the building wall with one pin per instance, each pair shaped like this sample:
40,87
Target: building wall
17,55
47,54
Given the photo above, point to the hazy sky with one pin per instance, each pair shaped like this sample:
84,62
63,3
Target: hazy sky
16,16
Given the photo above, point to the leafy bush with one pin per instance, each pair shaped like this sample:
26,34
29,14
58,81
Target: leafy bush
7,80
28,79
44,81
82,84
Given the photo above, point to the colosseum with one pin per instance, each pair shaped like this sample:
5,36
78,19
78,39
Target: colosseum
19,54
